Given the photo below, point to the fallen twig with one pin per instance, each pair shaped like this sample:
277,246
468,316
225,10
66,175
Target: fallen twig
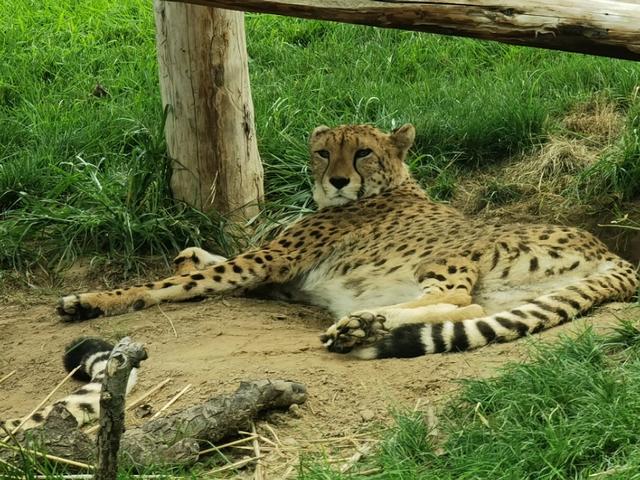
172,401
7,376
140,399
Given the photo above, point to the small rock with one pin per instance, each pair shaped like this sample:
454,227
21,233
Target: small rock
280,316
367,415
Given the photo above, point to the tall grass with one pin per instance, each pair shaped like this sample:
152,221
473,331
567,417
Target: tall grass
82,162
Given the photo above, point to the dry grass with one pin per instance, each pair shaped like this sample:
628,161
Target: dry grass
533,187
595,121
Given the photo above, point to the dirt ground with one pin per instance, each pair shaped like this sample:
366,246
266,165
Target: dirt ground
219,342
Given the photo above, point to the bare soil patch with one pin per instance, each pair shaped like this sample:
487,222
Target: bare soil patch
219,342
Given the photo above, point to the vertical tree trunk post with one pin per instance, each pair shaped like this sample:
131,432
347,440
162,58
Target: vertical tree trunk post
210,131
125,356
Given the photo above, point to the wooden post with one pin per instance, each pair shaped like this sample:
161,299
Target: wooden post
125,356
210,132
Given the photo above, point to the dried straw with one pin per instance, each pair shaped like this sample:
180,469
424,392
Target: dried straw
258,473
175,333
230,444
53,458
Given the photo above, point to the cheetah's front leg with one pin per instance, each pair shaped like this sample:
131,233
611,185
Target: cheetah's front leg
245,271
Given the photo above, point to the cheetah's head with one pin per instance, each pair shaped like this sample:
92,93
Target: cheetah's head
351,162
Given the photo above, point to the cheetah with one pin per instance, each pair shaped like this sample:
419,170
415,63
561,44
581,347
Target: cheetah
89,355
403,275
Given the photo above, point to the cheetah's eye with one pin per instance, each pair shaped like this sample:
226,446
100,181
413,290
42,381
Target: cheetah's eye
363,152
323,153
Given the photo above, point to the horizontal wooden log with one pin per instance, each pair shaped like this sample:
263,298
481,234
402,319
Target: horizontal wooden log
608,28
175,439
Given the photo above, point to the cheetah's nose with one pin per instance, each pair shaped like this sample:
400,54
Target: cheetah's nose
339,182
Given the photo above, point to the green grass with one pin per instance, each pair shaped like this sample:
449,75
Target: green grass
82,174
572,412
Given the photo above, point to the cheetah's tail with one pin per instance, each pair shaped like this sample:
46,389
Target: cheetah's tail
617,280
90,354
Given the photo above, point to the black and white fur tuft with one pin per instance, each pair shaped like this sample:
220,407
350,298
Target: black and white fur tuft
91,355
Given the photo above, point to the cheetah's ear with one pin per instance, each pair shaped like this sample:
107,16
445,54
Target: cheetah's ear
317,131
404,136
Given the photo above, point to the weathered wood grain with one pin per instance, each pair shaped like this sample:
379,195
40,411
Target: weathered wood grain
599,27
210,131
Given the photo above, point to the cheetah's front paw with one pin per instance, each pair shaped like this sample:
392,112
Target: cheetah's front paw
357,329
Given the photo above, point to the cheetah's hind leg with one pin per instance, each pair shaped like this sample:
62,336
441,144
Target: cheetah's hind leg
195,258
363,329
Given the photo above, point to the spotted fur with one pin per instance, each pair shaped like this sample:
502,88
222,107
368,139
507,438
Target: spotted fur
91,355
404,275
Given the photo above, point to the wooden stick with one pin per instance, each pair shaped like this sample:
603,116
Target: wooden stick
73,463
124,357
230,444
139,400
172,401
7,376
265,439
258,473
46,399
